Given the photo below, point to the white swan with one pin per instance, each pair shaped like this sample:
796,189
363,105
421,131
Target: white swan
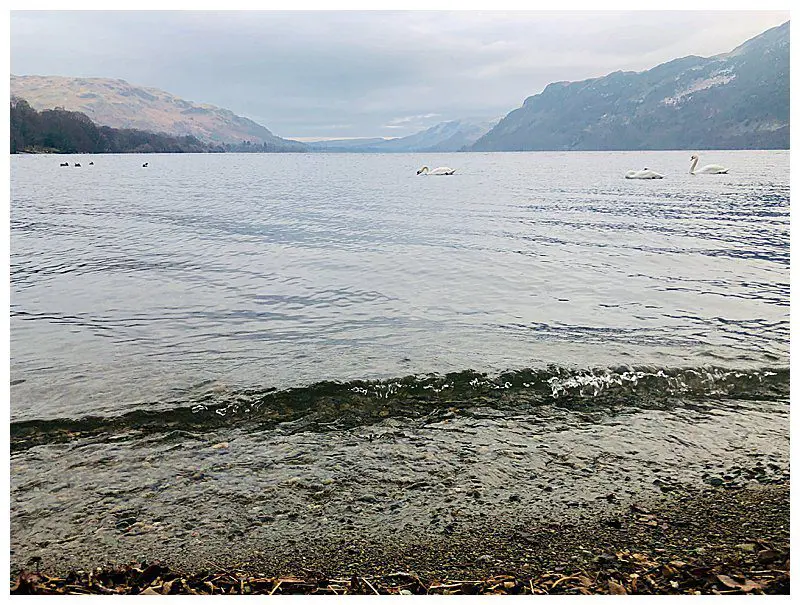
643,174
442,170
708,169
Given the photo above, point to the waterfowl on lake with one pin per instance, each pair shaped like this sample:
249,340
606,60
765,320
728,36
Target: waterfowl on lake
441,170
77,165
707,169
144,165
64,164
643,174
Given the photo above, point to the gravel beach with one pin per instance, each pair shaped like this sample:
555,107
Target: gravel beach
708,540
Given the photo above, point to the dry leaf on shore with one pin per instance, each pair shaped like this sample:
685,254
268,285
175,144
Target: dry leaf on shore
746,586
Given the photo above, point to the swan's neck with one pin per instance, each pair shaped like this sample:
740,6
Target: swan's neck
694,163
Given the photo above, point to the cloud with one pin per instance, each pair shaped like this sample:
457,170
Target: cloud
362,73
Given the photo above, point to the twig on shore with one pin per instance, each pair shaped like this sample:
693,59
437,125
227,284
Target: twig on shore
371,586
564,579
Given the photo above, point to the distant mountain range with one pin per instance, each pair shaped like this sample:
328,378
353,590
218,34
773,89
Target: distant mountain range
453,135
118,104
737,100
342,145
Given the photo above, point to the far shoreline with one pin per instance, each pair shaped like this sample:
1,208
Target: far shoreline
398,153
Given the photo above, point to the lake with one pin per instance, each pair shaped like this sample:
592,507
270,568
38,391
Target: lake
252,329
133,286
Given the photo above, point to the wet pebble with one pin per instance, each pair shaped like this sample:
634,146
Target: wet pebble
663,485
125,523
605,558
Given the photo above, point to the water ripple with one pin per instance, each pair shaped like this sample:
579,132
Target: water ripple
269,270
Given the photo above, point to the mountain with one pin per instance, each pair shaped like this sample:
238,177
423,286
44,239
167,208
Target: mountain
445,136
118,104
339,145
736,100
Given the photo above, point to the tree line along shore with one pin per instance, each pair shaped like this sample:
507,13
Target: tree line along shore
61,131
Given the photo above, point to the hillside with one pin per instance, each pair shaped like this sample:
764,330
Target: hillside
737,100
116,103
61,131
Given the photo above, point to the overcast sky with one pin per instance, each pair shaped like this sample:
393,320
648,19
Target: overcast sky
347,74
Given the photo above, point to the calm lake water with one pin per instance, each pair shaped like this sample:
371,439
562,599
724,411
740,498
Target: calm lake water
136,286
530,298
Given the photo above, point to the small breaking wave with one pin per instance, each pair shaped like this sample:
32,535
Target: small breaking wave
341,405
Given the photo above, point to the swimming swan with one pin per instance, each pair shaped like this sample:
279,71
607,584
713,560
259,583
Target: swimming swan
442,170
643,174
708,169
